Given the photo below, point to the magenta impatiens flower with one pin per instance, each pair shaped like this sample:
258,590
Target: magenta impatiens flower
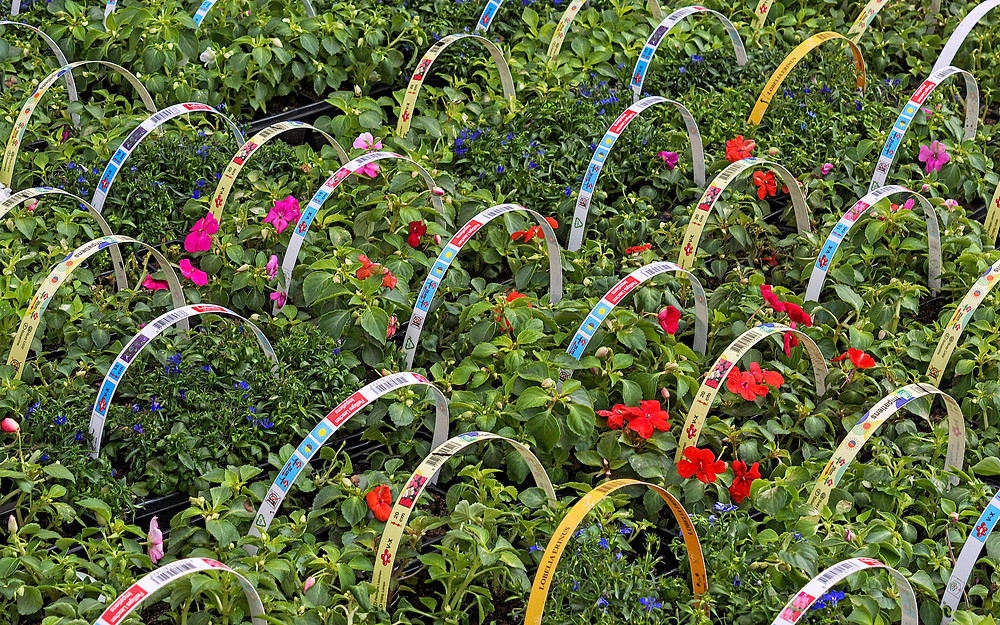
272,267
284,213
200,237
192,273
826,168
670,158
279,298
154,285
366,141
933,156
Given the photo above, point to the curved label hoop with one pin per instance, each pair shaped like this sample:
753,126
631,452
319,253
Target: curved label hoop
574,517
206,6
968,557
33,192
447,256
959,320
17,133
60,57
417,80
586,193
142,131
895,137
99,413
870,422
59,274
817,586
864,19
961,32
702,403
250,148
328,426
298,237
661,31
137,593
618,292
791,60
992,222
826,255
567,18
692,236
407,500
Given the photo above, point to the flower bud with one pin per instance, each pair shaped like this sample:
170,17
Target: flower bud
9,425
357,90
595,371
310,581
437,239
881,334
773,152
953,517
548,383
602,352
438,191
849,536
12,524
664,393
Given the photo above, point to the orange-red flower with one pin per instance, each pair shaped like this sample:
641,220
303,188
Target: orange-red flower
379,500
700,463
615,416
790,341
744,384
742,480
534,231
636,249
766,184
771,378
417,229
796,314
647,417
737,149
858,358
501,317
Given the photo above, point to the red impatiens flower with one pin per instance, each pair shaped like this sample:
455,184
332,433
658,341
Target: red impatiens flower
744,384
858,358
369,269
668,318
737,149
502,318
796,314
771,378
790,341
615,416
379,500
766,183
700,463
417,230
388,279
534,231
647,418
636,249
771,299
742,480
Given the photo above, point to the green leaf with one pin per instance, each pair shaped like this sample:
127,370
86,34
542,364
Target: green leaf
847,294
59,472
354,509
987,466
223,531
30,601
375,322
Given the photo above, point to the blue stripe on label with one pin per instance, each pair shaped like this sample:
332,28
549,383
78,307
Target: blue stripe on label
892,143
322,432
590,325
290,471
426,294
308,447
826,255
640,72
601,311
986,523
578,345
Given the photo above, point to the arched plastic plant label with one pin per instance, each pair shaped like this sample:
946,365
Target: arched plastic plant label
417,80
692,236
407,499
573,519
829,250
17,133
99,413
33,192
968,557
130,600
870,422
695,420
790,62
992,223
661,31
141,131
319,198
450,252
320,434
864,19
59,274
619,291
567,18
68,77
961,32
959,320
892,142
798,606
589,184
206,6
760,13
250,148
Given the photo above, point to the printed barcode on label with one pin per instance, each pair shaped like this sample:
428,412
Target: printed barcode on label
385,385
837,571
169,572
169,319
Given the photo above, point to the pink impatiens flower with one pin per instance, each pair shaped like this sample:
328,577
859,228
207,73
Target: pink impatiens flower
826,168
933,156
366,141
154,285
192,273
369,169
272,267
670,158
284,213
200,237
155,538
